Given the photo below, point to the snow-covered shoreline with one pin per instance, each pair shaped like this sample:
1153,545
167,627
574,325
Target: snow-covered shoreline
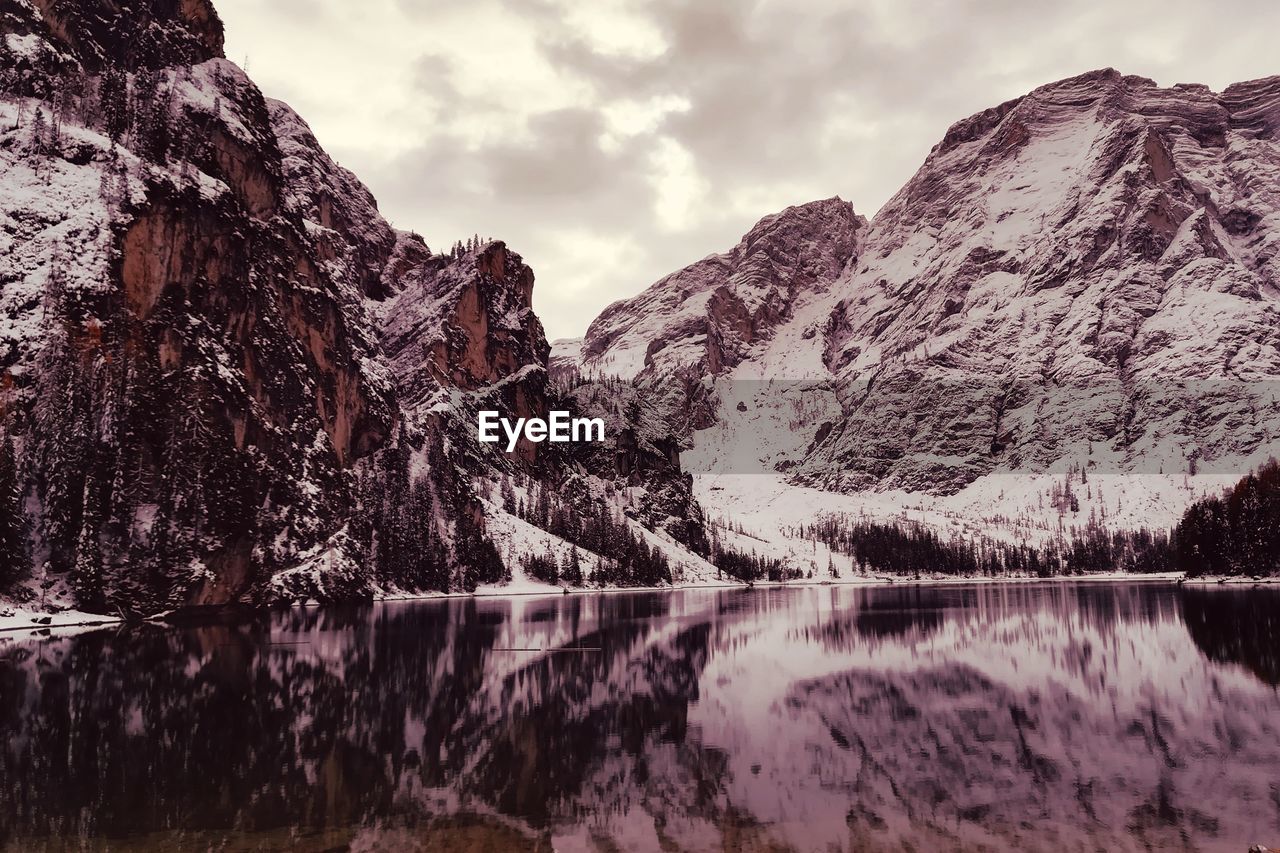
23,618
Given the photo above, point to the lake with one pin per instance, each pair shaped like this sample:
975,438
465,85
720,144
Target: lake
1052,716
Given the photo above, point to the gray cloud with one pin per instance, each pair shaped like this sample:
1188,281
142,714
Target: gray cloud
500,116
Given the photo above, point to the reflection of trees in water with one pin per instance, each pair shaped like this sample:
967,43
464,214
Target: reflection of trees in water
1240,626
199,730
878,613
214,730
894,612
914,612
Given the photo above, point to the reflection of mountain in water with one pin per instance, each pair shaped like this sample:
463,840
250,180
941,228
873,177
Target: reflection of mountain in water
945,755
1041,717
1236,626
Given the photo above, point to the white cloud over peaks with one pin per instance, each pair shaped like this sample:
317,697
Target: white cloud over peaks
679,189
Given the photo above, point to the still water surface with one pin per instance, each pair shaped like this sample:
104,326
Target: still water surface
1015,717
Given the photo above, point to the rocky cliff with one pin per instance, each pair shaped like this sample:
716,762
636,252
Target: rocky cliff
226,377
1089,271
95,35
188,330
461,335
465,322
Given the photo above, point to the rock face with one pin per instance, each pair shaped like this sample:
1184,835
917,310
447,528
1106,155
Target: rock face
1086,273
717,312
461,335
226,377
467,322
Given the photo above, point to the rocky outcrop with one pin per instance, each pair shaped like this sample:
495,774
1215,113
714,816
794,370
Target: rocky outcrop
717,312
461,336
465,322
352,241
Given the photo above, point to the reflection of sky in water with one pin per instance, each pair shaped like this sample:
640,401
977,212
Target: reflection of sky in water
1046,716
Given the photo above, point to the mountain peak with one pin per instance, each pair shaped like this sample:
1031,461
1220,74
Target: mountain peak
1100,232
712,312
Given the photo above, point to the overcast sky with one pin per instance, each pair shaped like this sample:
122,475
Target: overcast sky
613,141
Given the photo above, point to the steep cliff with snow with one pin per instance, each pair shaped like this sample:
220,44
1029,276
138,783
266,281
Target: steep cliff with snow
460,336
189,333
95,35
466,323
227,378
1089,271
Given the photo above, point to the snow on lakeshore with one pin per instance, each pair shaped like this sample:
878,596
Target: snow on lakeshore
758,513
15,619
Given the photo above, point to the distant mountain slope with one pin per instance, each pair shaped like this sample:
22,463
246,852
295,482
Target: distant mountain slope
720,311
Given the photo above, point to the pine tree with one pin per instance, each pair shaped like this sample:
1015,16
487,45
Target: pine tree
6,62
39,137
114,101
573,568
61,424
508,496
13,540
86,575
151,117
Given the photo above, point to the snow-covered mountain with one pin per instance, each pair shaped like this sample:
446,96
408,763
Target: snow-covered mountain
1084,278
189,373
190,331
226,377
1088,271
